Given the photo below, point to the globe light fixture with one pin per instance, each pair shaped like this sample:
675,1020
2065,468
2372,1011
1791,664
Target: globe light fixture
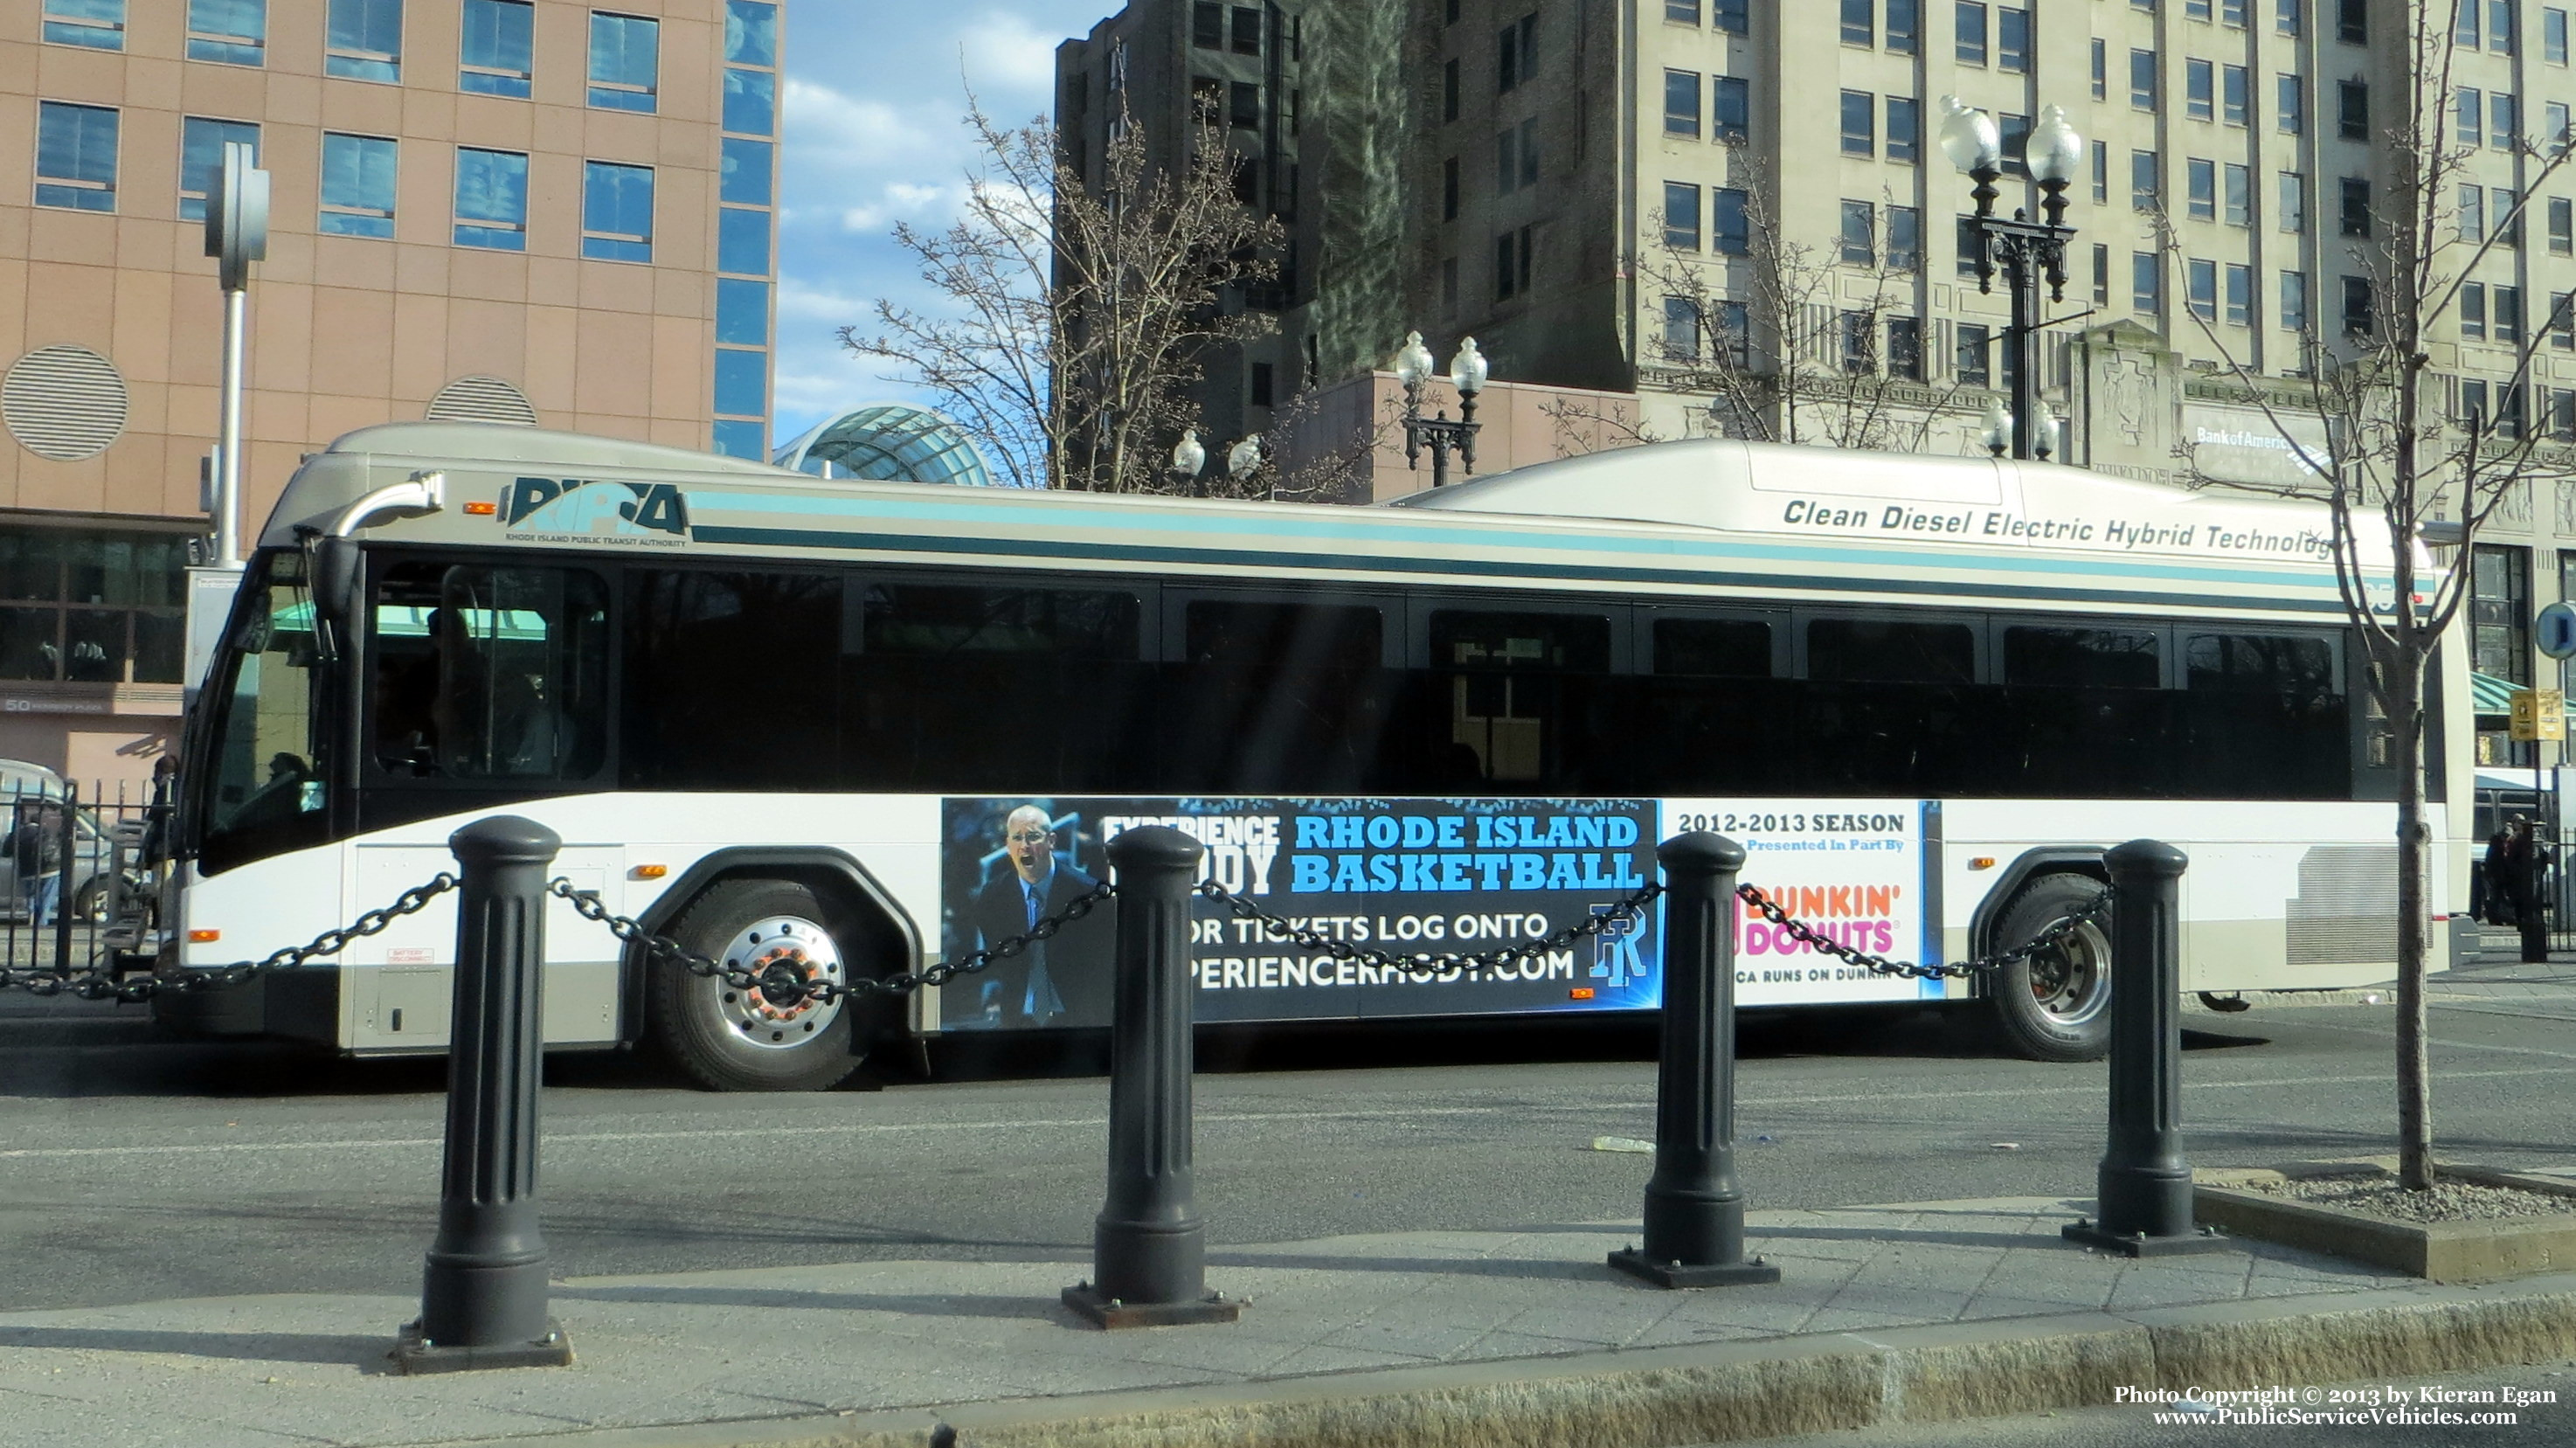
1413,368
1467,369
1998,427
2050,433
2053,149
1969,137
1189,455
1412,362
1244,458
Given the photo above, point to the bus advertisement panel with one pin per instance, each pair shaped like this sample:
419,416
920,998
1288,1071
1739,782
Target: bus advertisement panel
1424,876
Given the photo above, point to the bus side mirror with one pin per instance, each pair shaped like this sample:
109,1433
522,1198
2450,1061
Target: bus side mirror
335,580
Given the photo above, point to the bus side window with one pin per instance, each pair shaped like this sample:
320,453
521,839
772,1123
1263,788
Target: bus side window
2264,718
715,659
1710,713
403,665
522,669
2084,715
1273,697
1521,696
1891,707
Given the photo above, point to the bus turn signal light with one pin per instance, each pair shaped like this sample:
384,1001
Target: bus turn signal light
1981,862
481,510
651,872
204,937
1579,993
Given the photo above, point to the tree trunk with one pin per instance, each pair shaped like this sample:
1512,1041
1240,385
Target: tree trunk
2405,696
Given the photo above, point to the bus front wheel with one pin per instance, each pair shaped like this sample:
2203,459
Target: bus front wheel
2055,1004
731,1039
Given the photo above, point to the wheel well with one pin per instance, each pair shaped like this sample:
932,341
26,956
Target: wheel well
886,932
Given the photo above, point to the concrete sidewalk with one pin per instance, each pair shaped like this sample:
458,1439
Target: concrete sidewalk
1939,1309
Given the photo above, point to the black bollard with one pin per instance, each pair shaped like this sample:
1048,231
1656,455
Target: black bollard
2145,1184
1694,1206
1149,1244
483,1291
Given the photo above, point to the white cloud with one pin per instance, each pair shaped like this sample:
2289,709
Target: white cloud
1002,48
843,131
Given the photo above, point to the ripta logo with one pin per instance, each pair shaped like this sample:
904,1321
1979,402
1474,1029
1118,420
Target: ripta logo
582,506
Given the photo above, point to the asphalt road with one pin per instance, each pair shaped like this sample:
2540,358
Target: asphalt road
134,1169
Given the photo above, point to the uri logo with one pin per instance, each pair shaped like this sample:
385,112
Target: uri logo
576,507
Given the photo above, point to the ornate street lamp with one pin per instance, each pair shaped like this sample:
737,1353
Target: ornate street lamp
1189,455
1439,433
2027,251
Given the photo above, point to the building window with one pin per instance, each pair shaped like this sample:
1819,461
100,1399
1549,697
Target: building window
92,607
1971,32
2146,283
1449,89
2202,277
742,382
2240,295
2240,195
2195,9
1859,342
201,158
365,40
357,186
1904,238
2101,172
1449,189
75,156
1905,348
2562,428
1730,229
2146,181
2507,315
2232,13
1247,30
2012,40
1975,364
1904,26
2234,101
2500,24
1681,216
2200,185
2562,227
751,101
742,241
751,32
616,212
2352,25
2142,80
2357,315
2014,132
2352,109
1262,388
1969,244
2499,604
1681,329
1860,234
2293,195
1207,25
1733,333
231,32
1732,98
496,48
2290,104
2199,90
2294,301
747,168
1516,53
1512,263
2101,275
2287,16
2473,213
741,439
1676,12
625,64
491,199
2101,69
2553,36
2504,121
1681,103
1860,22
1860,123
2356,206
1732,17
2468,115
100,24
2553,138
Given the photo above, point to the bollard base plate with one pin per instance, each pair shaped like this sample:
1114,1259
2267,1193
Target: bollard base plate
414,1354
1677,1275
1110,1314
2142,1245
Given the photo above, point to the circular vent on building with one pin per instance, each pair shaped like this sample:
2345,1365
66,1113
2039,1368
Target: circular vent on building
63,402
481,399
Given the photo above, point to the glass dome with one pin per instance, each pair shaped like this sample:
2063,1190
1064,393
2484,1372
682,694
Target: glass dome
889,441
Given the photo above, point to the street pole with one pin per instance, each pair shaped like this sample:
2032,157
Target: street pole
236,236
228,448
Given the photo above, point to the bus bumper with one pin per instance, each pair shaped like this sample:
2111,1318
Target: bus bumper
298,1004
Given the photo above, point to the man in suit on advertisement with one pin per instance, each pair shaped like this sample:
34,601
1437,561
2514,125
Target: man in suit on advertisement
1058,982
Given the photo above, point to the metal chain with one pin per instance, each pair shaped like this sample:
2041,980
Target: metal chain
785,986
1959,970
97,986
1447,963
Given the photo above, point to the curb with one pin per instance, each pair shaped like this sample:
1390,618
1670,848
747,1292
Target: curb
1717,1392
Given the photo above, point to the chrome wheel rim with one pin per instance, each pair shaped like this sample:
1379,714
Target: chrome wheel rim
801,945
2070,982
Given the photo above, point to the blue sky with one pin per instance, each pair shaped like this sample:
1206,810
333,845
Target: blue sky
875,89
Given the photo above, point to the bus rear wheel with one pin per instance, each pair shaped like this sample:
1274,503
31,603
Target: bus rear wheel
2055,1004
732,1039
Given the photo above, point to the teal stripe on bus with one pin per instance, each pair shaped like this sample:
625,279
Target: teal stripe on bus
1043,552
1370,530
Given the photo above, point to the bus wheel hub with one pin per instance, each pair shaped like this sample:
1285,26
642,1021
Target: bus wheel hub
788,957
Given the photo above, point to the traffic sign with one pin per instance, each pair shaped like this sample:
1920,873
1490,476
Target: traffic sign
237,216
2539,714
2555,628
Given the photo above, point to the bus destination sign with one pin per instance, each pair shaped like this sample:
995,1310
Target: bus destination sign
1419,876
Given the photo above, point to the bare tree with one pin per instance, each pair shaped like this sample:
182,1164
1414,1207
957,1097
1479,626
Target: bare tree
1072,318
2370,426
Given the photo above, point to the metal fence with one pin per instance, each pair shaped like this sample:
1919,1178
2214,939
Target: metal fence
72,879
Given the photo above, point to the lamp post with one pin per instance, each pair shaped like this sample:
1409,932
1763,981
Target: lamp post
1439,433
2028,251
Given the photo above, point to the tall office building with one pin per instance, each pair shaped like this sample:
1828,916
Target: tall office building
536,211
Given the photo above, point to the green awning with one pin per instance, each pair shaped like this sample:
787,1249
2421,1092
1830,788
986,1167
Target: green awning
2495,696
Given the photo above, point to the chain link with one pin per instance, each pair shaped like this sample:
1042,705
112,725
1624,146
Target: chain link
99,986
2099,908
1446,963
784,986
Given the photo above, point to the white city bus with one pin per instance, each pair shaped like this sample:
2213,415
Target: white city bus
860,726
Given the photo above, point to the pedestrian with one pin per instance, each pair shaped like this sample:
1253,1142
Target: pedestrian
2511,882
36,847
2492,892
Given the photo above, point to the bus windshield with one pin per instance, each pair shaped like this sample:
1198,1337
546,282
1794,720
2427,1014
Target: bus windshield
267,787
